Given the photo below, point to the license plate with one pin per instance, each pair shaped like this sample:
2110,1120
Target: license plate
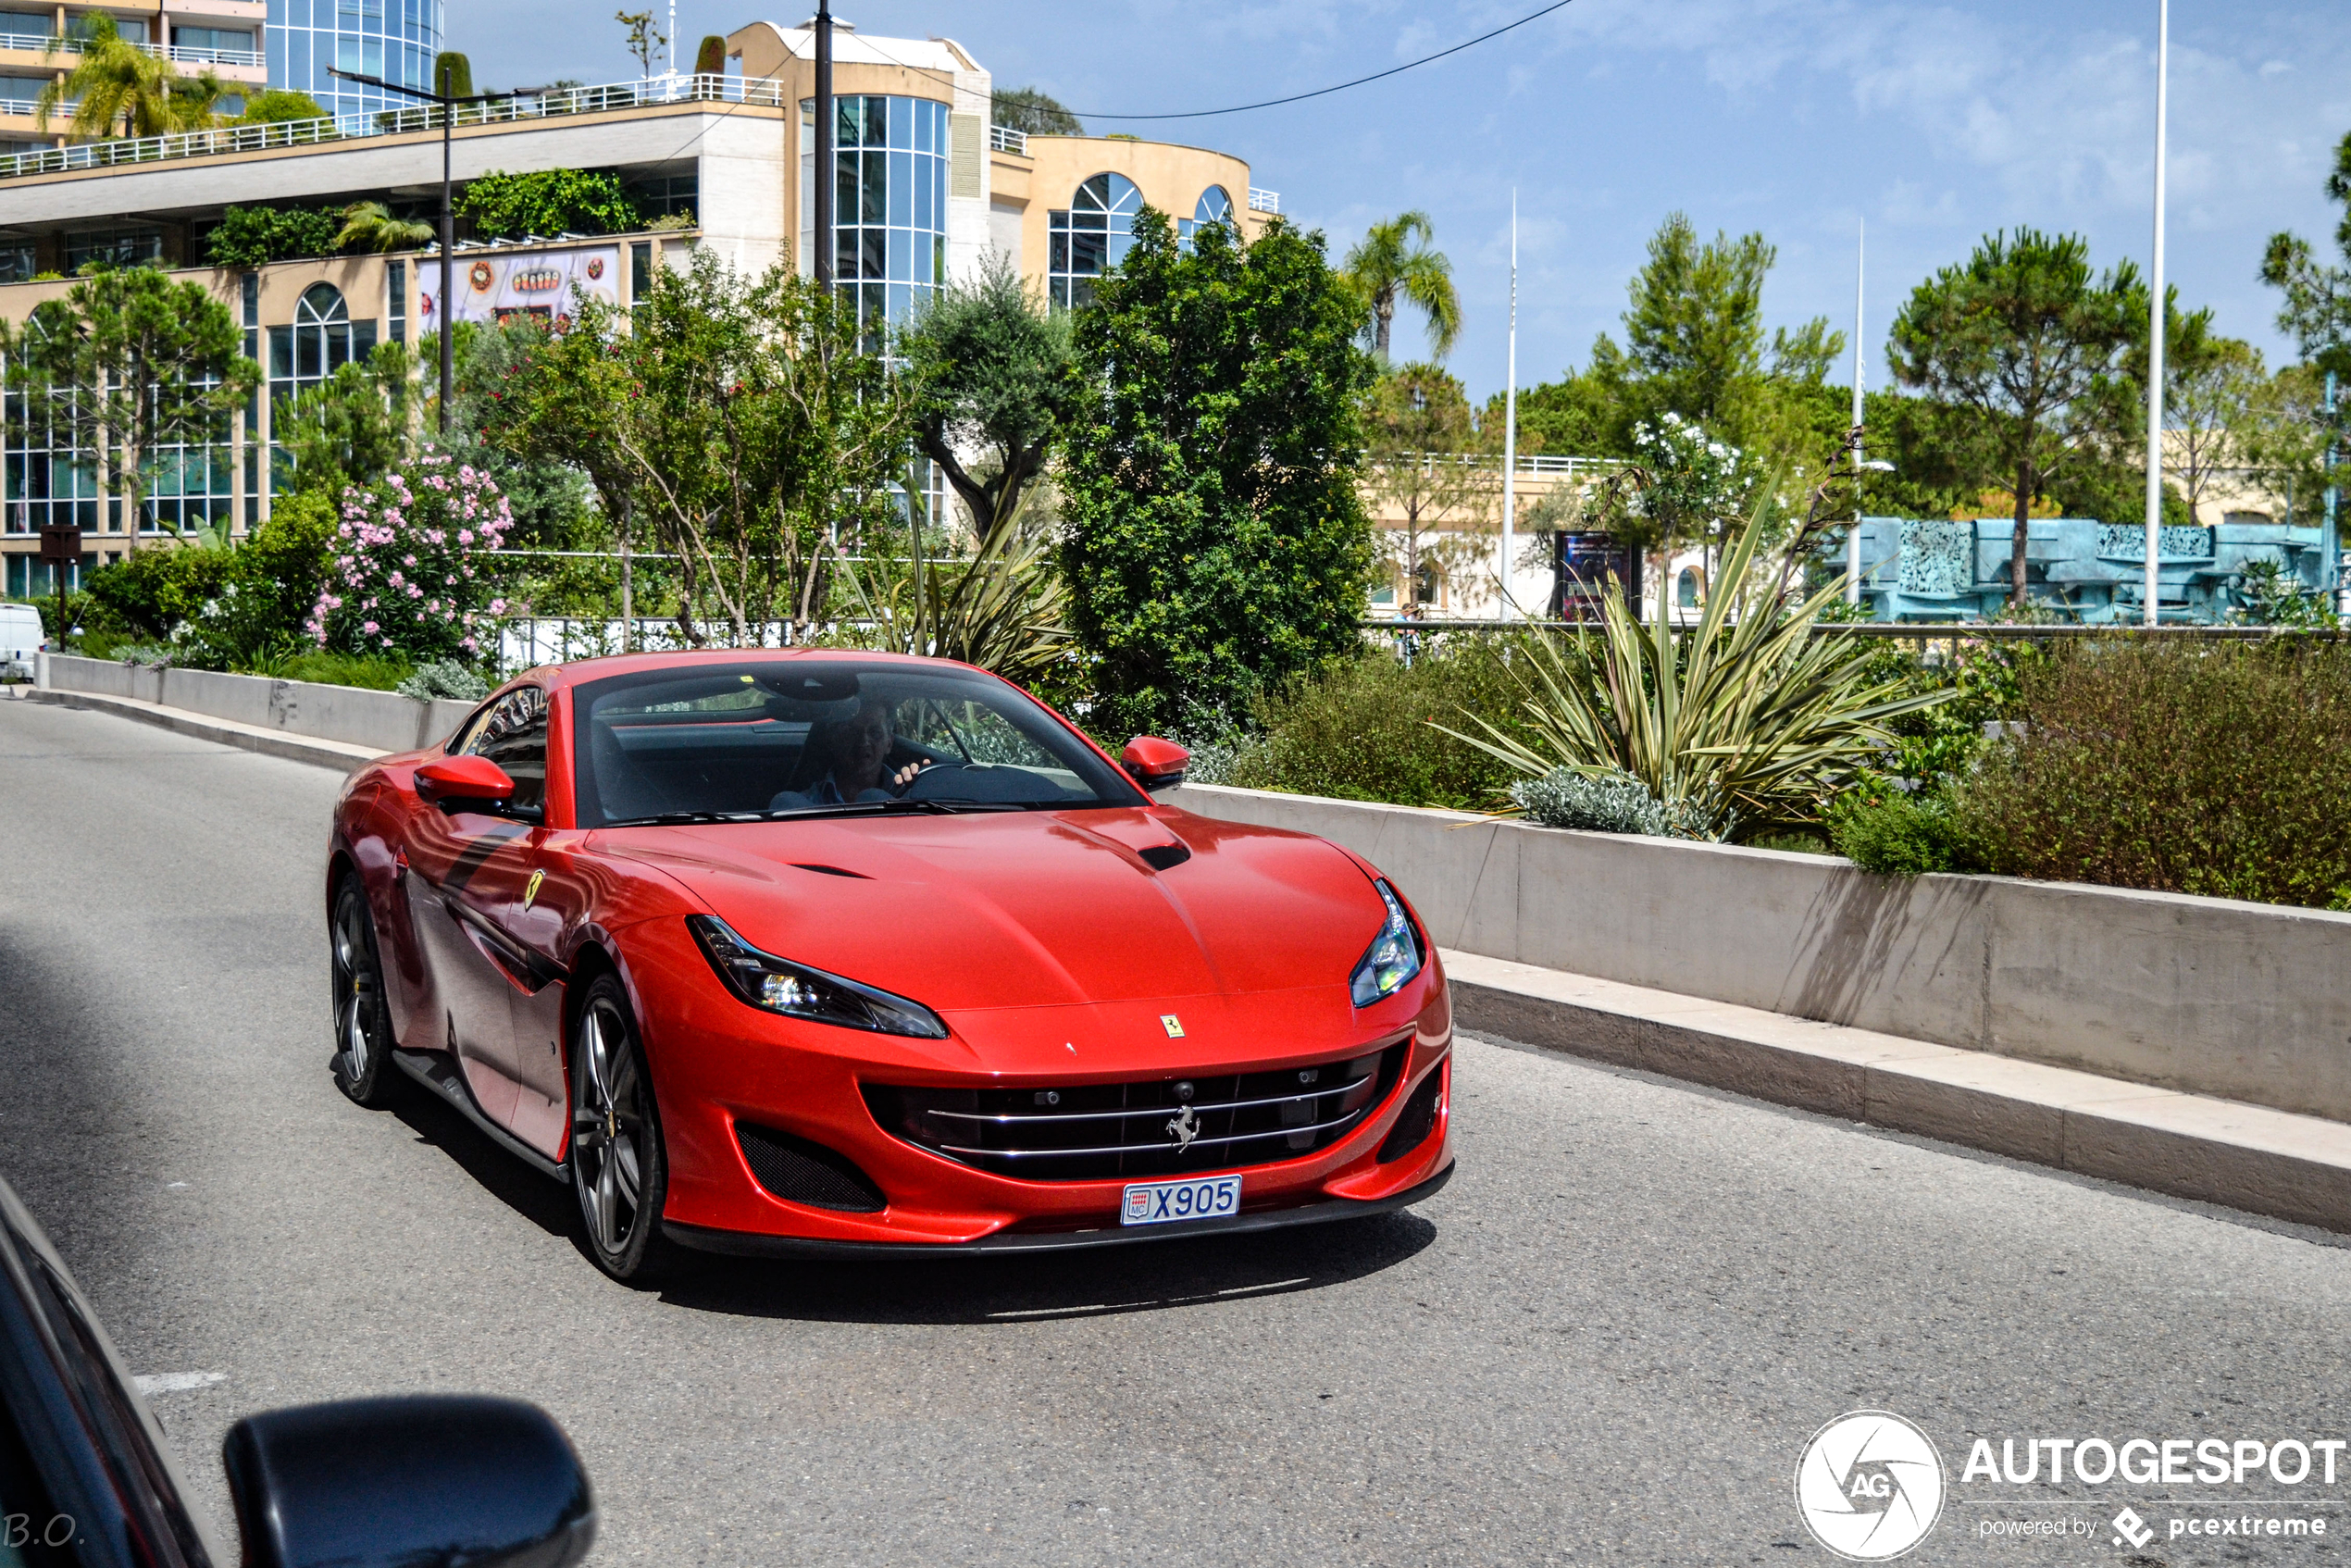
1160,1203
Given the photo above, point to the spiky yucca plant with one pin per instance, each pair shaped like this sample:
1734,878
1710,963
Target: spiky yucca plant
1744,722
1003,609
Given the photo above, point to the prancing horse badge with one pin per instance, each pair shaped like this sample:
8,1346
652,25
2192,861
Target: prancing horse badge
1172,1025
530,888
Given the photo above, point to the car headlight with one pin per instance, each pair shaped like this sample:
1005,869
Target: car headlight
778,985
1394,955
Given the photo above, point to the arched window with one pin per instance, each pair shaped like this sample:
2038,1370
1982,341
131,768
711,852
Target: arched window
323,337
1215,205
1090,237
1688,589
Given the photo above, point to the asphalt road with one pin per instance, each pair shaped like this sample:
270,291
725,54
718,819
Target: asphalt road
1607,1340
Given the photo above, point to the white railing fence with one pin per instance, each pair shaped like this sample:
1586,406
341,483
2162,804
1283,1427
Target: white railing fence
1004,139
1264,201
652,93
178,52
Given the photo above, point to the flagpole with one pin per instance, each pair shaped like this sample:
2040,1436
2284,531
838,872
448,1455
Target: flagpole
2155,313
1510,426
1853,540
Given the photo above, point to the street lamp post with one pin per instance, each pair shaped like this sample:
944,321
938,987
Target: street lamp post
448,105
2155,313
823,172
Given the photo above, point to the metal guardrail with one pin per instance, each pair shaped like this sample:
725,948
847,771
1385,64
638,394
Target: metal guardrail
652,92
1264,201
1557,465
1004,139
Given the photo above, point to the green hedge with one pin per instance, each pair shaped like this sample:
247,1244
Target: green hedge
2219,770
1364,730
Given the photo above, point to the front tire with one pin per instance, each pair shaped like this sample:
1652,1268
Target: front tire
619,1170
362,1021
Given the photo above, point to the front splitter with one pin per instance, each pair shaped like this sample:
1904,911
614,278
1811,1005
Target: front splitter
746,1244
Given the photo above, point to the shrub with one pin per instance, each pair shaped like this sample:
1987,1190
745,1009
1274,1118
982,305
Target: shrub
2223,771
445,678
334,669
1363,731
250,237
1611,800
408,579
547,202
279,104
1900,834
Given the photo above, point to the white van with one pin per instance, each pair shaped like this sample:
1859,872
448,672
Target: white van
19,640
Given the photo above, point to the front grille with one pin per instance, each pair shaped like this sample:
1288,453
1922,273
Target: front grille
1095,1132
801,1171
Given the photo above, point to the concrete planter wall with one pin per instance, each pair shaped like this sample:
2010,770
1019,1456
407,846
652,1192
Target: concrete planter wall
2245,1000
383,721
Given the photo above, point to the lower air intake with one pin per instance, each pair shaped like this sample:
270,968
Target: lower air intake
1415,1122
801,1171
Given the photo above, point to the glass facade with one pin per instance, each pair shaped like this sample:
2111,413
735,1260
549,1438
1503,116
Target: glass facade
1090,237
392,39
50,482
890,202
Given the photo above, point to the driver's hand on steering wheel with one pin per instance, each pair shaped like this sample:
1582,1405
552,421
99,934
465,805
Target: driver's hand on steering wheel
903,777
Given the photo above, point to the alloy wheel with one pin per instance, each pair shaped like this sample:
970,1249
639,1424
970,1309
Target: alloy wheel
609,1129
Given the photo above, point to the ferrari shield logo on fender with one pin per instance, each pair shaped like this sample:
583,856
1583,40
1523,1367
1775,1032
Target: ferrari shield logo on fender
530,888
1172,1025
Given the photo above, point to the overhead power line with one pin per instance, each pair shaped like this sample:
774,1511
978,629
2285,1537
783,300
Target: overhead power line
1324,92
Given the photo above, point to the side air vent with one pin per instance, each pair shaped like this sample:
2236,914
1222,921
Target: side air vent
801,1171
1415,1122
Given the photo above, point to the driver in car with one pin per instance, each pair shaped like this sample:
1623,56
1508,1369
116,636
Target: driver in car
859,746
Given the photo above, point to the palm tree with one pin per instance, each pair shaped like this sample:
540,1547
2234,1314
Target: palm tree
119,85
1393,261
369,226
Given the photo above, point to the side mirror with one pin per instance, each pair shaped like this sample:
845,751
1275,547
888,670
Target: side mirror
445,780
413,1481
1154,764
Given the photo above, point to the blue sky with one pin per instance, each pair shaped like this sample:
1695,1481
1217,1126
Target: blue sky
1935,123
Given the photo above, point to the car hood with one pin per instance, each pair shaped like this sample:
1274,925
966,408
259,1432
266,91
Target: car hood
1033,909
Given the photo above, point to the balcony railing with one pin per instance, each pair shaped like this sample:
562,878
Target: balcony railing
1264,201
649,94
1004,139
178,53
1558,466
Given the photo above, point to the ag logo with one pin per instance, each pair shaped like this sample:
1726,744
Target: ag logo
1869,1485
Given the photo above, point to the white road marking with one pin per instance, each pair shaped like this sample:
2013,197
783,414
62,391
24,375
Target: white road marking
150,1383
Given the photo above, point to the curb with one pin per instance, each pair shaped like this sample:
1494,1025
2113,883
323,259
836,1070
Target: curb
227,732
2248,1157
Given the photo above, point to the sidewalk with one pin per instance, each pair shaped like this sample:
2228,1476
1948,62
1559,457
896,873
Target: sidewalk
2216,1150
228,732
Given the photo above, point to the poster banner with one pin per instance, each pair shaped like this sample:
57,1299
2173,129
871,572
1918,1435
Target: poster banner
496,285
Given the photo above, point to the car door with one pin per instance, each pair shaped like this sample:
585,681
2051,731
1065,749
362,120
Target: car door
469,869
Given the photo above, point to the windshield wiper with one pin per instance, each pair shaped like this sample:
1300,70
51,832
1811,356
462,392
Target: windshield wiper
933,807
685,818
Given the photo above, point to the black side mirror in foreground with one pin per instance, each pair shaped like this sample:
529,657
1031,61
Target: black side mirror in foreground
412,1481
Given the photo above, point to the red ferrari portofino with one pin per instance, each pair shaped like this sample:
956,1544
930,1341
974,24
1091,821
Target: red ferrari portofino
851,954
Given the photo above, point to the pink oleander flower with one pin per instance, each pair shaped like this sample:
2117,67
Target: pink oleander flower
370,627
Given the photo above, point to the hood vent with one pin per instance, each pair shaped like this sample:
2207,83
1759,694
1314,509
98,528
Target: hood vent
830,870
1162,857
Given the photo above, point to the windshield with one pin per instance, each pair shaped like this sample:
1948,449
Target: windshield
815,737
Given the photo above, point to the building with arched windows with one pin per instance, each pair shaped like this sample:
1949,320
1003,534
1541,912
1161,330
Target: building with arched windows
926,190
